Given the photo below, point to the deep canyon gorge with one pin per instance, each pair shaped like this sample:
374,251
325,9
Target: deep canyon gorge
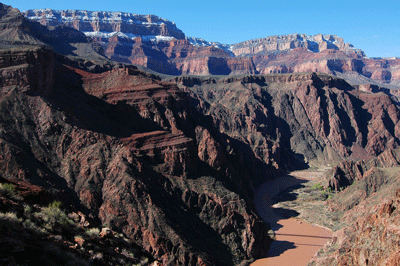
125,142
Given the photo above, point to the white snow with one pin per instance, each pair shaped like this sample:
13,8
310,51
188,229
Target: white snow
105,17
145,38
203,43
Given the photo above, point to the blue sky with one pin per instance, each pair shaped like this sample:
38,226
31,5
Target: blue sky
373,26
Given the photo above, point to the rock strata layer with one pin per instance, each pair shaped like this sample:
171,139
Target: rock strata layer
122,147
159,45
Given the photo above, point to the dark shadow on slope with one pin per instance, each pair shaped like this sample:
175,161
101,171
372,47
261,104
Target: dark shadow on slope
89,112
184,220
362,118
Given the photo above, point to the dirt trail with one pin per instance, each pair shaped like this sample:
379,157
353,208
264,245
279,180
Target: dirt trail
296,241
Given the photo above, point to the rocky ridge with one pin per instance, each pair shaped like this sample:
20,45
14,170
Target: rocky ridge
314,43
159,45
317,116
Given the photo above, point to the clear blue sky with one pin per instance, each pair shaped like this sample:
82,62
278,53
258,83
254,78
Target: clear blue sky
373,26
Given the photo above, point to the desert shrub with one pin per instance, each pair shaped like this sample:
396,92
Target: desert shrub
55,204
317,186
93,232
9,216
27,209
8,190
53,216
8,221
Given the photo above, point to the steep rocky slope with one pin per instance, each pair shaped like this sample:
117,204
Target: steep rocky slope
370,207
130,161
349,172
299,118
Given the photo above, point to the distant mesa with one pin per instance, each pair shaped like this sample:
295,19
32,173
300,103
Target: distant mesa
158,44
104,23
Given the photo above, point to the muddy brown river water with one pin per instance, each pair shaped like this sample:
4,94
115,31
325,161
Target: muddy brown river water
296,241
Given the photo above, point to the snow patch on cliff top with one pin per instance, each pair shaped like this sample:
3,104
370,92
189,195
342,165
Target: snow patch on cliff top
145,38
94,16
201,42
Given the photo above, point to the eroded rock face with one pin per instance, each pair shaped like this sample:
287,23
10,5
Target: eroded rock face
316,116
348,172
368,205
123,147
372,235
174,165
19,69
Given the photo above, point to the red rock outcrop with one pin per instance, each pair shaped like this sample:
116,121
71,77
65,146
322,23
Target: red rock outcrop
372,237
173,163
18,69
348,172
133,151
318,116
121,146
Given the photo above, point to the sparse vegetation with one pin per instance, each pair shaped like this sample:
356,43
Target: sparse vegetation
8,190
317,186
53,216
56,233
8,220
309,202
93,232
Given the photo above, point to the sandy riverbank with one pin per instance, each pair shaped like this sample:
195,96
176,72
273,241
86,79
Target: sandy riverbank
296,241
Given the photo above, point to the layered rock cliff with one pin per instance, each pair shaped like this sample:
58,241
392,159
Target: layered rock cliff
107,22
304,117
313,43
349,172
159,45
122,147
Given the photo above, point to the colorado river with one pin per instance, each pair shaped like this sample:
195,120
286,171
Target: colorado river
296,241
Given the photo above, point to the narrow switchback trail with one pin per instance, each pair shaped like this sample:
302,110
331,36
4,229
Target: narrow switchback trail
296,241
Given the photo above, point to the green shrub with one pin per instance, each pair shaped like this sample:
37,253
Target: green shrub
8,190
54,216
317,186
55,204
